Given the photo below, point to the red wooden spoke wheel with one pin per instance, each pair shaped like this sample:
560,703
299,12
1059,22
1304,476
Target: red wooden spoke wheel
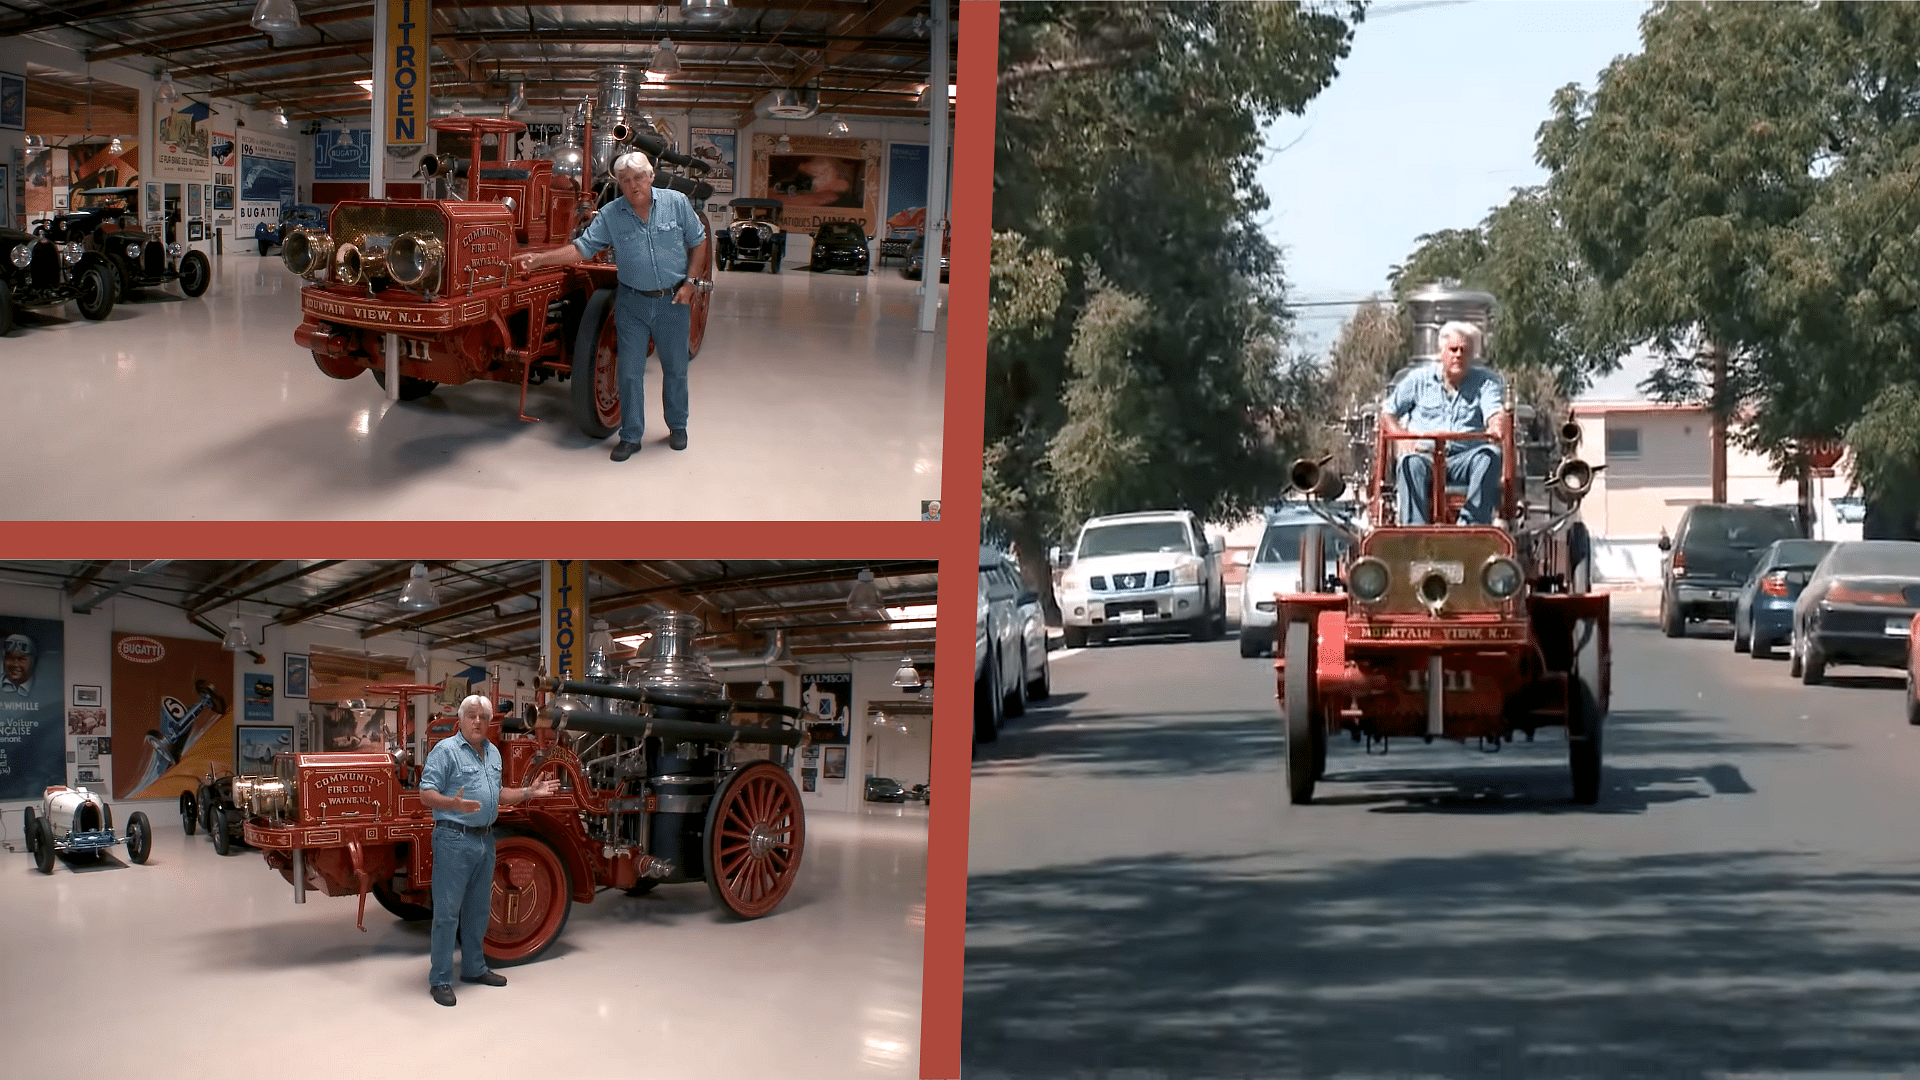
697,329
756,833
532,896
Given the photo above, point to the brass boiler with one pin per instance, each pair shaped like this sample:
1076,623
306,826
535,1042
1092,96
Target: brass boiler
682,776
1434,306
617,91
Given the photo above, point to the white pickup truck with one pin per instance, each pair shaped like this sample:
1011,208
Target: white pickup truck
1155,572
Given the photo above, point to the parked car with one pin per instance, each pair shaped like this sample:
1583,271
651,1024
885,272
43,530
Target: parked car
1709,556
1857,608
885,789
999,685
36,271
1763,614
107,222
916,261
210,806
839,245
1275,568
78,824
293,216
1031,618
754,238
1155,572
1913,671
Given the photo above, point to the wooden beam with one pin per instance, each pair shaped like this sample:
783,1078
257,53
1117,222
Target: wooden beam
72,13
846,34
465,606
214,35
391,575
235,596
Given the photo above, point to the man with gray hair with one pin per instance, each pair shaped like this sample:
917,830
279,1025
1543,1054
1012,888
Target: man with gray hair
16,667
1450,394
664,252
461,785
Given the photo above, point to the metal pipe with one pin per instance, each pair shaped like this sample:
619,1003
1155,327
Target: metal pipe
393,367
642,695
299,875
638,727
938,136
91,602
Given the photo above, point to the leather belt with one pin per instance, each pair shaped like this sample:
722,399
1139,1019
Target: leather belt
658,293
471,830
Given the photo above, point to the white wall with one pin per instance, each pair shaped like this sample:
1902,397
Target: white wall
905,756
1635,498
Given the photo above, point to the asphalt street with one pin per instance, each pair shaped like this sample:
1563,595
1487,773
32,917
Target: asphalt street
1144,904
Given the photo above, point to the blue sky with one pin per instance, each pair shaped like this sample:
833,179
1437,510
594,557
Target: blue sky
1429,125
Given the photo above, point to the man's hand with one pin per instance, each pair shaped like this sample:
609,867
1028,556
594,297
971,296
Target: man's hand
465,806
684,295
543,787
523,262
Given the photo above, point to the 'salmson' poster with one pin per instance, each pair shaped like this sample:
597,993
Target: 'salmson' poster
171,719
32,706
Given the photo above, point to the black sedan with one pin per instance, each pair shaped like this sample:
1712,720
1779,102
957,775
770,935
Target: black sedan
1857,608
885,789
839,245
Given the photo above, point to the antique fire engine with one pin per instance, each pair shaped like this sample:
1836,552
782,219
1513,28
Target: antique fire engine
662,780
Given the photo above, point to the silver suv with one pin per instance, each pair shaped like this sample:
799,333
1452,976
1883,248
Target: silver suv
1155,572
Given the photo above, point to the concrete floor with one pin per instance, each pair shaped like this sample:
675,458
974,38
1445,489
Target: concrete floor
192,963
814,398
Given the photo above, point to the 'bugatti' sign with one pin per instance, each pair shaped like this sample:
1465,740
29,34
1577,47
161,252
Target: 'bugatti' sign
142,650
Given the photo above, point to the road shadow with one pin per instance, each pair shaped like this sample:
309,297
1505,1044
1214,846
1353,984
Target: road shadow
1868,682
1487,965
1056,741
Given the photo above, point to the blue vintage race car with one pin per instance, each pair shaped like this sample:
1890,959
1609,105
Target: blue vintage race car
298,215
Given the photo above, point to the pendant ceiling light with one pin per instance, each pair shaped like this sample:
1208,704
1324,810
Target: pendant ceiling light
601,640
666,60
115,146
705,12
419,595
839,129
280,117
908,677
865,598
785,145
166,94
765,693
236,639
275,17
419,660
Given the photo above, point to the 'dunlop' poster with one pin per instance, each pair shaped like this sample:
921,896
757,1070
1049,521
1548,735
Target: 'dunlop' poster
170,715
33,746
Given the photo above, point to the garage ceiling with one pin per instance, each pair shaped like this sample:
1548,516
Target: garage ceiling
490,610
866,58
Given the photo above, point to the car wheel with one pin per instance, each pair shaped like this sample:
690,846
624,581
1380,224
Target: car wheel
1076,637
1793,657
595,367
1913,701
986,704
139,838
6,309
28,831
1741,641
411,389
42,844
1041,688
1673,622
1016,695
1306,745
403,910
1759,647
195,273
189,814
1813,666
95,292
1586,716
218,828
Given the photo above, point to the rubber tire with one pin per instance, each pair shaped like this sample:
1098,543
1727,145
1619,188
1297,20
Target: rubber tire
122,279
206,816
27,829
565,896
265,245
139,838
586,343
1740,644
1041,688
1913,703
1250,645
643,887
1672,623
1793,659
411,389
100,284
1759,647
195,283
1583,688
42,845
986,704
798,836
1579,559
220,829
1076,637
1813,666
1015,705
1201,628
6,309
398,908
1306,740
189,813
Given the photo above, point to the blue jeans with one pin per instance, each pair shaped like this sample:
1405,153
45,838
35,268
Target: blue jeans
638,320
462,901
1476,467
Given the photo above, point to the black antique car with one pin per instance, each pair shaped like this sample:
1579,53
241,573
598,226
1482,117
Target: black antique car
210,806
36,271
839,245
107,222
754,238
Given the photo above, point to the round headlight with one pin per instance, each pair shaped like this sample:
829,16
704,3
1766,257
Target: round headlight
347,264
1369,578
1501,577
133,249
176,250
307,252
22,255
1433,589
415,260
72,253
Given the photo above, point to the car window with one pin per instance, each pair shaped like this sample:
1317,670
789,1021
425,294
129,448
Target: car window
1744,528
1798,554
1135,537
840,230
1900,558
1281,542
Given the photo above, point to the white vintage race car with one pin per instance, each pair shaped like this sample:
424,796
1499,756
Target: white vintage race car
78,823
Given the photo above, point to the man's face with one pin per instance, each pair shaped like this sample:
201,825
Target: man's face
636,187
18,666
473,723
1455,356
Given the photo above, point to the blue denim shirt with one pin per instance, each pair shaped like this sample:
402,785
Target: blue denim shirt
454,764
1423,401
650,254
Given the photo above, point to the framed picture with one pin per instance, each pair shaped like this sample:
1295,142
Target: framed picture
86,697
154,208
809,779
297,669
255,744
223,197
6,196
833,763
196,230
13,102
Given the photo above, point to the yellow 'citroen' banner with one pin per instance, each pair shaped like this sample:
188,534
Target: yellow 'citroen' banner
563,617
409,65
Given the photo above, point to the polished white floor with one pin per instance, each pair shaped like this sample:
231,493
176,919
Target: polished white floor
814,398
194,965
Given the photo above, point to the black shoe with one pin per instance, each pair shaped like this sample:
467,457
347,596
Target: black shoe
677,439
625,450
443,995
491,978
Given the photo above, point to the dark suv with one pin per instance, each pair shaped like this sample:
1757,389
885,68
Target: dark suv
37,271
1711,555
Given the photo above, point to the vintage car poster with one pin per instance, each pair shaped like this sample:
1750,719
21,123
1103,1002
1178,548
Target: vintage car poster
819,179
259,706
906,187
343,155
182,143
827,699
33,696
354,725
717,147
266,178
223,150
255,746
13,102
171,719
95,165
85,721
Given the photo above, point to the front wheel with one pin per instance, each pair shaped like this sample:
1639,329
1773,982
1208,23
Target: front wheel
6,309
95,295
1014,705
218,829
1673,621
756,836
40,842
986,703
1758,646
139,838
1306,744
1586,712
403,910
264,246
196,273
532,897
411,389
1250,644
1041,689
596,368
189,814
